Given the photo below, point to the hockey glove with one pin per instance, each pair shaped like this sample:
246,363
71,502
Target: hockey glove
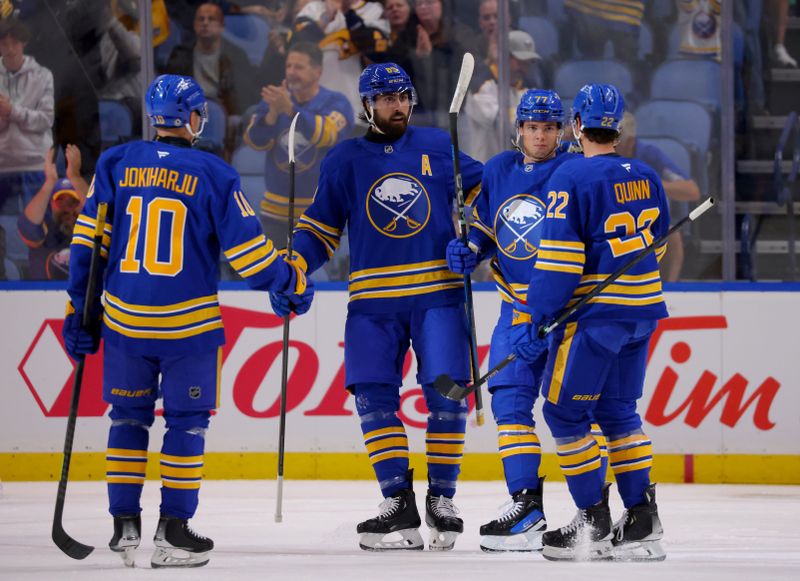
80,342
525,340
460,257
298,295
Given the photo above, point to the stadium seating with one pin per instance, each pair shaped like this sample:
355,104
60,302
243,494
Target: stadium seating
571,76
116,122
544,34
688,79
675,150
248,32
250,165
162,51
683,120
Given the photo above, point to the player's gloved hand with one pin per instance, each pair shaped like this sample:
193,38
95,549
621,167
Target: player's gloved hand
525,340
78,341
298,294
460,258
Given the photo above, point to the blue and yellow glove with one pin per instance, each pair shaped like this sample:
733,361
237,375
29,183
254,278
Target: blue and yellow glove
78,341
461,259
298,294
525,340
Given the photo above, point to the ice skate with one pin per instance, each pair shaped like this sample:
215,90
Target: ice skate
519,527
395,528
179,546
586,538
638,532
127,535
441,516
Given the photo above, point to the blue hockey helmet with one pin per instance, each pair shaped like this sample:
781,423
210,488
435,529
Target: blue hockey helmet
600,107
170,100
540,105
384,78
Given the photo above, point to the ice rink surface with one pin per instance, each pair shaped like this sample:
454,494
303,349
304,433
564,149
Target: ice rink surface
712,532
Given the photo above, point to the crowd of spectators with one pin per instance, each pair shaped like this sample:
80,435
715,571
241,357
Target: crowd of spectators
263,60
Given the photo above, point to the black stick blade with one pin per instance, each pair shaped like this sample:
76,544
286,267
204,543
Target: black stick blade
450,389
68,545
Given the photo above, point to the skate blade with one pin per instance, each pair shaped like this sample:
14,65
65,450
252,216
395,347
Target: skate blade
442,540
596,551
406,539
127,554
527,542
164,557
639,551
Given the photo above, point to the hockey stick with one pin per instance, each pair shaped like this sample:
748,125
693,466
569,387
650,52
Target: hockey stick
285,352
61,538
451,390
464,78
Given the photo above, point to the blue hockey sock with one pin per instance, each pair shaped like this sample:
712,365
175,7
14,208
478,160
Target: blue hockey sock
519,446
126,458
444,441
384,435
182,462
631,457
582,466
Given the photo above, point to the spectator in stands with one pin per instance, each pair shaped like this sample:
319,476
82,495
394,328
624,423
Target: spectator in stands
121,62
221,68
345,30
487,22
680,190
326,117
595,22
26,121
481,127
780,12
403,24
277,14
441,44
699,23
47,223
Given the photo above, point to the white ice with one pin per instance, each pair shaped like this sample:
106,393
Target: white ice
713,532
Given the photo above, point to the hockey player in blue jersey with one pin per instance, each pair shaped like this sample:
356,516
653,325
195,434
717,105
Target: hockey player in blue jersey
601,210
394,189
171,210
507,217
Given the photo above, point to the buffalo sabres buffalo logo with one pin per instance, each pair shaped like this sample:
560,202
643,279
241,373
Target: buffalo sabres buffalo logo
305,156
398,205
516,225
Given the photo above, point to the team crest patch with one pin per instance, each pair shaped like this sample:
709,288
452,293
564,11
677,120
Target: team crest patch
195,392
517,225
305,155
398,205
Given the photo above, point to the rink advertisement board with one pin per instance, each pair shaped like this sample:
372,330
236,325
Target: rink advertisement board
721,399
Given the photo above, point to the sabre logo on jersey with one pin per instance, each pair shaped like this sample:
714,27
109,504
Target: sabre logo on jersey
305,154
398,205
517,226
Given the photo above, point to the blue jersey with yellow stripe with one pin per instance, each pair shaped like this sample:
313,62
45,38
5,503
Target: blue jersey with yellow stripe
324,120
171,210
396,199
600,212
622,15
508,213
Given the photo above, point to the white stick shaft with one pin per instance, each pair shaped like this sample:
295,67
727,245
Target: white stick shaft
700,210
464,78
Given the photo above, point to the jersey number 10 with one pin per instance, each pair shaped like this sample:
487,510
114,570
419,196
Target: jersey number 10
154,213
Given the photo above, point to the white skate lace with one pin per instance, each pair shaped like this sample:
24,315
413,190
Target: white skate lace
619,526
388,507
444,508
577,522
511,510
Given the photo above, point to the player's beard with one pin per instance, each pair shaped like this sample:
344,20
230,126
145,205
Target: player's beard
395,126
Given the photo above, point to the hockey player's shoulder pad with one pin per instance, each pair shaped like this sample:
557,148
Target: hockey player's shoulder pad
501,162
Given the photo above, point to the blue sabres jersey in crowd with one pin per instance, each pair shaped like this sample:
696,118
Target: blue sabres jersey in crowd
622,15
508,213
397,202
171,210
324,121
600,212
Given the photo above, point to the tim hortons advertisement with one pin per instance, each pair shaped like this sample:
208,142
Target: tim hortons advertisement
721,378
